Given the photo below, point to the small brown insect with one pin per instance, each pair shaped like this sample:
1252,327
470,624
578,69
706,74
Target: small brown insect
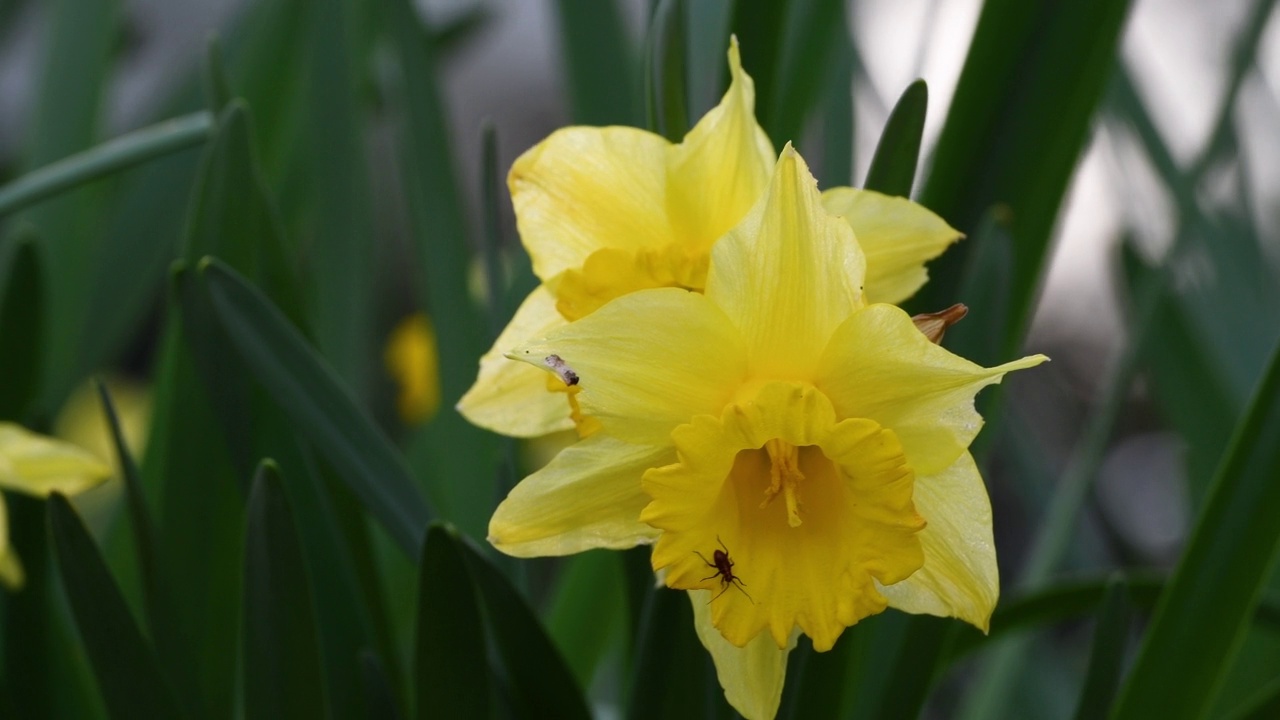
561,368
724,570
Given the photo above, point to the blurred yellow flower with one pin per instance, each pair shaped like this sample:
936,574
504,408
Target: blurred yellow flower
608,211
38,465
412,360
798,457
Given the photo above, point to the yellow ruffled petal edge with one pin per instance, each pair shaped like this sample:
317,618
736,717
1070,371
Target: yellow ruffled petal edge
959,578
788,274
721,166
510,397
11,574
752,676
584,189
646,362
38,465
897,236
588,497
879,366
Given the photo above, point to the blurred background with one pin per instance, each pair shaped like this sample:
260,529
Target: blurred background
1157,301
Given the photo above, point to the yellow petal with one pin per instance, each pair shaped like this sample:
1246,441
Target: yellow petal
588,497
511,397
787,514
897,236
412,360
880,366
959,577
751,676
38,465
647,362
720,168
11,574
788,274
583,189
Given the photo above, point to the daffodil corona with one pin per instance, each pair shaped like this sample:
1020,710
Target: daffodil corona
821,442
604,212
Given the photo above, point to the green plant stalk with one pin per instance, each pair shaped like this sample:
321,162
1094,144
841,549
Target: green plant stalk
124,152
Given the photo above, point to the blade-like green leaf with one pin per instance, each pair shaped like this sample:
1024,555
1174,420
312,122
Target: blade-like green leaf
585,616
1018,122
455,458
281,657
811,35
199,525
666,99
341,229
451,669
21,326
672,674
760,26
216,85
307,390
126,151
379,696
540,683
838,118
1201,618
1110,638
600,63
140,521
1261,706
124,664
893,167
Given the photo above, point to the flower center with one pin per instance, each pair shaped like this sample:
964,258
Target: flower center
784,477
814,565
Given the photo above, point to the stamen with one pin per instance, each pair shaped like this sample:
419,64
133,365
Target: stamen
784,477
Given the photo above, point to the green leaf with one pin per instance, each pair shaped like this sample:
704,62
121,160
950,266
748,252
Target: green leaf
21,326
1017,124
78,57
140,521
760,26
585,615
540,683
838,118
199,529
217,87
672,674
281,658
309,392
124,664
380,697
1262,705
451,668
340,223
600,63
811,36
1201,618
664,72
1110,638
456,458
126,151
893,167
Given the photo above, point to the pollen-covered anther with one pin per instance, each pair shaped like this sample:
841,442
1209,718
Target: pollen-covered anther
784,477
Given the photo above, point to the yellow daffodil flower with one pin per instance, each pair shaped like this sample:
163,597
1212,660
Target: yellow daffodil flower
38,465
413,362
608,211
797,456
